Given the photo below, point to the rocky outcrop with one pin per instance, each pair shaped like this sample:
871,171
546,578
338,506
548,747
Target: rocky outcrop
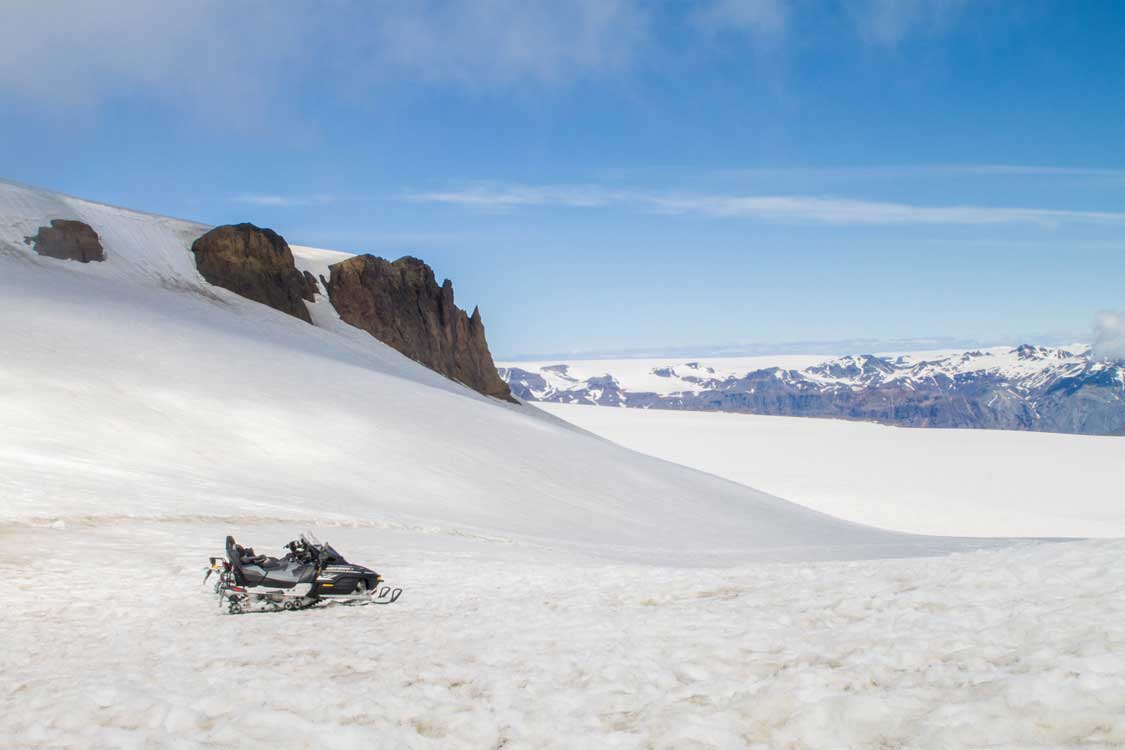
401,304
257,264
67,239
311,287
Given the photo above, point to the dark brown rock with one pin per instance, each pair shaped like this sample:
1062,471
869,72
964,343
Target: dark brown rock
401,304
310,286
255,263
66,239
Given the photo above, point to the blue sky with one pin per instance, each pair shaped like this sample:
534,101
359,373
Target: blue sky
618,174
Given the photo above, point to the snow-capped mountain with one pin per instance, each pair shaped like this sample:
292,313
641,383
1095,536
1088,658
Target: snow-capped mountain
1021,388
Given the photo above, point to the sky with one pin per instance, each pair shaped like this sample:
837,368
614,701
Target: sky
621,175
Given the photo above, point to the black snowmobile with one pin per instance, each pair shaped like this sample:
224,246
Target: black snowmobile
309,573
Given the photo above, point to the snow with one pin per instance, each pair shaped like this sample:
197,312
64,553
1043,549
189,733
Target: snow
561,591
927,481
317,260
500,646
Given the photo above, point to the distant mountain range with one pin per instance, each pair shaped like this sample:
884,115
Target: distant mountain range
1024,388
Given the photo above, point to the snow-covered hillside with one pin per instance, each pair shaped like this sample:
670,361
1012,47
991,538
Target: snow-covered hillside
972,482
131,388
561,591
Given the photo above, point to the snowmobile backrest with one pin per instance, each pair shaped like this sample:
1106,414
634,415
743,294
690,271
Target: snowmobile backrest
234,552
237,554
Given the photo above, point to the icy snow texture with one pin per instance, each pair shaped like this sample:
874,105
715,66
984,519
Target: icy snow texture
499,646
933,481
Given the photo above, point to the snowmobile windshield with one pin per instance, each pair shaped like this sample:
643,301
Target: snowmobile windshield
310,539
330,555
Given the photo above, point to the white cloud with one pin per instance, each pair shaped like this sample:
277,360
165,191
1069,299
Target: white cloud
758,16
217,59
848,211
911,171
503,197
501,42
1109,335
230,62
888,22
799,209
237,63
283,201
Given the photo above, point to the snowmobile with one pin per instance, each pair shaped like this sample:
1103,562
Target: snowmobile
309,573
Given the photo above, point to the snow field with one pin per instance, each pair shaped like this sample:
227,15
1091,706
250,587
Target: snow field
924,481
495,645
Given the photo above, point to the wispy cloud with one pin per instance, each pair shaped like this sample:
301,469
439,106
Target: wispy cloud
757,16
491,196
231,62
501,42
848,211
781,208
911,171
237,62
222,62
889,22
283,201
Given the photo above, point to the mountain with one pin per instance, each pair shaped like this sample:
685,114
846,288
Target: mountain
1023,388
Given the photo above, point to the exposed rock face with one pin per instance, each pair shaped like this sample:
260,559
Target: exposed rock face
401,304
311,287
255,263
67,239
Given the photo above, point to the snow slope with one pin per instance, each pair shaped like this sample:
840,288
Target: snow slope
934,481
133,389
